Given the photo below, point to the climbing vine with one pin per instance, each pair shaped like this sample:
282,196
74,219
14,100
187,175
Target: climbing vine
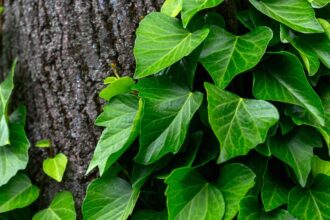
221,120
218,124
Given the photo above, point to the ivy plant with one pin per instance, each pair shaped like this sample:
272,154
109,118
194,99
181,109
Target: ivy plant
227,117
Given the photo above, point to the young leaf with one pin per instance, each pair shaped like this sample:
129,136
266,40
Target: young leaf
225,55
239,124
250,210
168,109
297,151
311,203
109,198
171,7
273,192
175,42
192,7
17,193
234,182
286,82
299,16
190,196
149,215
14,157
117,87
55,167
61,208
43,144
320,166
121,117
6,88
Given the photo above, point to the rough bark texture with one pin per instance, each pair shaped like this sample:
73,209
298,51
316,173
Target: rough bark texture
65,49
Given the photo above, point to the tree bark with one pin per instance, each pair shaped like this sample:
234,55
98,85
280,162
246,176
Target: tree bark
65,49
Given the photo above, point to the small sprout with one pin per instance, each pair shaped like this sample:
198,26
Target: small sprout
43,143
55,167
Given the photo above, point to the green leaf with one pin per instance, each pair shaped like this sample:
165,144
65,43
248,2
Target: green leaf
225,55
149,215
300,116
43,143
296,150
121,117
192,7
55,167
286,82
175,42
296,14
6,88
117,87
17,193
190,196
250,210
61,208
320,166
274,192
307,54
109,198
14,157
171,7
239,124
326,26
311,203
319,3
234,182
168,109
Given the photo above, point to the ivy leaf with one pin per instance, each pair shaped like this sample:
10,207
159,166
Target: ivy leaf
61,208
6,88
320,166
55,167
311,203
307,54
175,42
273,192
14,157
225,55
17,193
43,144
326,26
239,124
190,196
171,7
250,210
121,117
319,3
168,109
296,150
149,215
109,198
192,7
117,87
286,82
299,16
300,116
234,182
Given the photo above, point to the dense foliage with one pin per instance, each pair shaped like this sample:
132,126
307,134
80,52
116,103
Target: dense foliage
226,118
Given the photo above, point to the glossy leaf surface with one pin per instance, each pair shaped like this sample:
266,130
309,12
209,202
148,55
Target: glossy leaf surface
225,55
239,124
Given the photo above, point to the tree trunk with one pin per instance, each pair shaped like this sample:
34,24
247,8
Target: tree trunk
65,49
